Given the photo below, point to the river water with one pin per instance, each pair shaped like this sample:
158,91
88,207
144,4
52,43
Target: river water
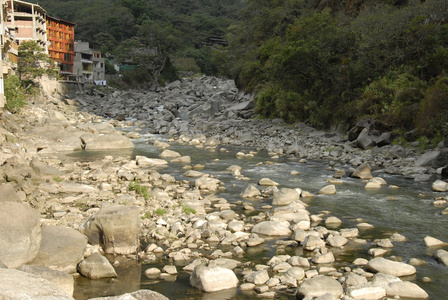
407,210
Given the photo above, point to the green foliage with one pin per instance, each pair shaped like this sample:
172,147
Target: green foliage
140,190
169,26
146,215
326,62
33,62
433,116
160,212
188,210
186,64
14,94
387,98
57,179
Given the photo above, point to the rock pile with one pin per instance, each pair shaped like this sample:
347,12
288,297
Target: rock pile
69,214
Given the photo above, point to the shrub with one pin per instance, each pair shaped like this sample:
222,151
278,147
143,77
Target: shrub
387,98
140,190
14,94
160,211
188,210
433,116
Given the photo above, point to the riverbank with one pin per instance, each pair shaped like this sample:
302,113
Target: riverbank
114,204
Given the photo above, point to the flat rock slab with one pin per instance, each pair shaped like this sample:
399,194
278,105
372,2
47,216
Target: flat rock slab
14,283
20,236
320,285
406,289
60,279
390,267
272,228
61,248
138,295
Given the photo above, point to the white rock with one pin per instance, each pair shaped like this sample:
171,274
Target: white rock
390,267
272,228
406,289
320,285
213,279
366,291
328,190
432,242
440,186
258,277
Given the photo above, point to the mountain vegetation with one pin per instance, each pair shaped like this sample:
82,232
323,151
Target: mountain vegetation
324,62
152,35
334,62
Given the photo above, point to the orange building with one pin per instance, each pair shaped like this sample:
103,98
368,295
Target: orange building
61,49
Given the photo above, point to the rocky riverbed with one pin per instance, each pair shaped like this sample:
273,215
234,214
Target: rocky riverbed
62,217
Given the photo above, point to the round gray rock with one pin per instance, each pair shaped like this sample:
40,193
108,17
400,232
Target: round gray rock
320,285
390,267
213,279
20,233
96,266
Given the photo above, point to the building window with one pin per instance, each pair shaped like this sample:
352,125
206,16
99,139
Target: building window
67,57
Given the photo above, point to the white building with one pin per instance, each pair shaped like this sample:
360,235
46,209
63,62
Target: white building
88,64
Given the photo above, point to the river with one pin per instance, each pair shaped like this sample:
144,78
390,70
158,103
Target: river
408,210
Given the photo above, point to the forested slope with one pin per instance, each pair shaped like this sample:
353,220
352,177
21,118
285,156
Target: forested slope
325,62
132,29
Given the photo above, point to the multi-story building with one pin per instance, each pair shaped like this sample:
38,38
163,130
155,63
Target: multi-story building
61,45
89,66
26,21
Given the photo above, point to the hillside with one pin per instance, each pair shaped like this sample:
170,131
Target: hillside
331,63
324,62
130,28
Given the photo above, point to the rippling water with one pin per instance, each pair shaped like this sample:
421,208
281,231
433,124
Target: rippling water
407,210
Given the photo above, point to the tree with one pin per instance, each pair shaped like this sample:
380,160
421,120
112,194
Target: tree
33,62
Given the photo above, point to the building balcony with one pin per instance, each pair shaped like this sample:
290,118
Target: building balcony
86,61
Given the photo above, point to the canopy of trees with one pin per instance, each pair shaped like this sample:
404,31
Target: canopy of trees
326,62
145,33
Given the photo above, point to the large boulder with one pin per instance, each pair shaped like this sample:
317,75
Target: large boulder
427,158
390,267
106,141
56,138
440,186
406,289
16,284
8,193
145,162
285,196
137,295
258,277
61,248
115,228
442,256
272,228
60,279
96,266
251,191
20,233
320,285
213,279
363,172
365,140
